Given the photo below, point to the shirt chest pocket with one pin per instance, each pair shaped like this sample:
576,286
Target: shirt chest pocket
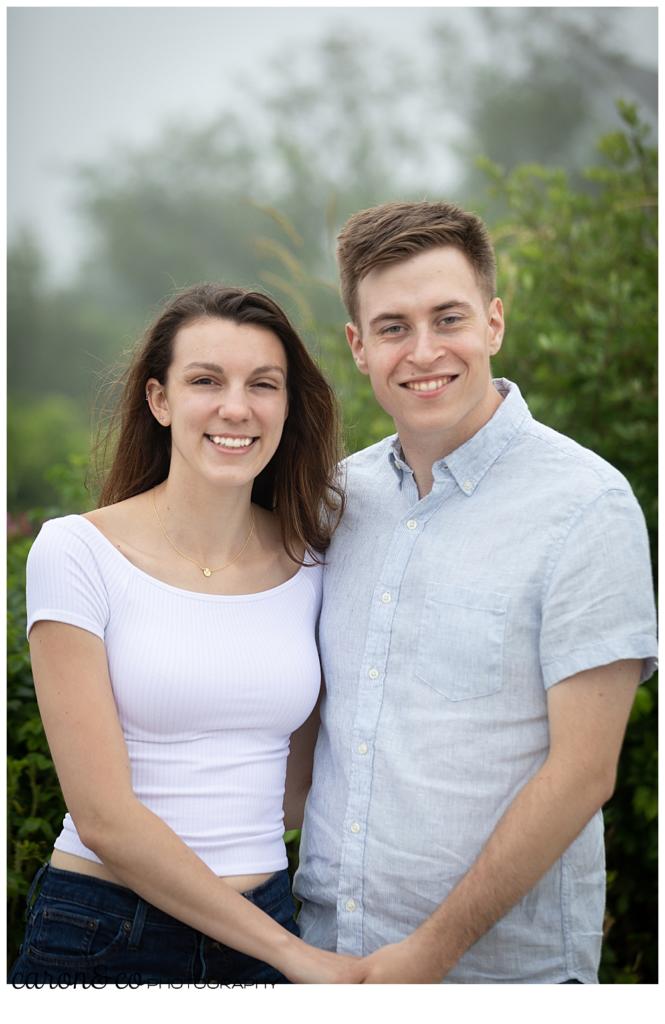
460,641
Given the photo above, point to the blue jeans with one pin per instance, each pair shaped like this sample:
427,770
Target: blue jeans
83,930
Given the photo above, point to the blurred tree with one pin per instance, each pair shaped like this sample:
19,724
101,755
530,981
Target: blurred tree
256,198
333,132
578,272
60,340
540,86
170,214
25,327
201,203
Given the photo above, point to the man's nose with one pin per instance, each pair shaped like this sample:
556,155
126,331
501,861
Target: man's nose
427,346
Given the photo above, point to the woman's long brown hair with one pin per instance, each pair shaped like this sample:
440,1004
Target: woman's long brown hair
299,482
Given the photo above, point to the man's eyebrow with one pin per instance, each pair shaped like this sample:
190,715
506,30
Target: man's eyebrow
460,304
216,368
386,316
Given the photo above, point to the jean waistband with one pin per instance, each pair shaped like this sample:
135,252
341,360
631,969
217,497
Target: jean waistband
107,897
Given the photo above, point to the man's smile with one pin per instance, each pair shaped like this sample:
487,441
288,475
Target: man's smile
430,385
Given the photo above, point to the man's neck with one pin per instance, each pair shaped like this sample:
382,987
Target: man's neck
421,451
420,462
422,474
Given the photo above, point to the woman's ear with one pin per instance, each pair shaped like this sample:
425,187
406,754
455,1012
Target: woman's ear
156,398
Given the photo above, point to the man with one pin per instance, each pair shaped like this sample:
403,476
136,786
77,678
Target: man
487,617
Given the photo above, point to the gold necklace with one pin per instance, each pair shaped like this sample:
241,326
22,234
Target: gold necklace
204,568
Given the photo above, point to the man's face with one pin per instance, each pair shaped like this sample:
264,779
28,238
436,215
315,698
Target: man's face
425,339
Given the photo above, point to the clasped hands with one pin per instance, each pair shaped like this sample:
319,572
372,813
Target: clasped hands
409,962
401,963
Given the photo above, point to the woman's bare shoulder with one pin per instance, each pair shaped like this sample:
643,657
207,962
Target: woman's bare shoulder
125,519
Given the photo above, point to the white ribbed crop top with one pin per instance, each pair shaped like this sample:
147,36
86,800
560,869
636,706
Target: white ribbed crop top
208,689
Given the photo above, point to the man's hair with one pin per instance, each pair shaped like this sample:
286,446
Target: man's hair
394,232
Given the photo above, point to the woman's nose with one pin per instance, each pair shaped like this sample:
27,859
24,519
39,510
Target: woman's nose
234,405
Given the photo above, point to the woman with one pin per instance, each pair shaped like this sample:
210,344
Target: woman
172,643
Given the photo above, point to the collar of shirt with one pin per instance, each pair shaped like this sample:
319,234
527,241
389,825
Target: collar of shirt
468,464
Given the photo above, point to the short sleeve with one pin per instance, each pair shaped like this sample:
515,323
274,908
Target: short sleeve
598,604
63,581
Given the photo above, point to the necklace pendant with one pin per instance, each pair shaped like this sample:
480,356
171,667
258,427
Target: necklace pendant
206,572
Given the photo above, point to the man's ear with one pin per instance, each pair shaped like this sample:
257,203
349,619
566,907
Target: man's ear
357,347
496,325
156,399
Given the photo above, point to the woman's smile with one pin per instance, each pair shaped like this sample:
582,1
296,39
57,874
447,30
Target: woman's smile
230,444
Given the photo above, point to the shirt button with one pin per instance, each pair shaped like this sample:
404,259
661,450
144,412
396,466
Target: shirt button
355,827
386,598
411,525
350,905
362,748
373,673
467,487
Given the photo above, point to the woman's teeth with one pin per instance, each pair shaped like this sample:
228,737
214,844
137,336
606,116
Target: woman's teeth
231,442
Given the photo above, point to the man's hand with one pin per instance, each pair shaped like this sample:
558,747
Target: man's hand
409,962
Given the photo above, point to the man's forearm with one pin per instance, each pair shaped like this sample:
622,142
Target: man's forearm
540,824
542,821
587,716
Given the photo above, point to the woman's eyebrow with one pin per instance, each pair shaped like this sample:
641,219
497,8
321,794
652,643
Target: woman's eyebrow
213,367
216,368
268,369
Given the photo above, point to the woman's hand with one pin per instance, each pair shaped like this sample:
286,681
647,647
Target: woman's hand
306,965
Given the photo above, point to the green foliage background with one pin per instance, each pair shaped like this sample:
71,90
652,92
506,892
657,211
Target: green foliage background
577,253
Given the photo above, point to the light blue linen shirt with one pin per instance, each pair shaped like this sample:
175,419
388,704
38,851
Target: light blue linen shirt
445,620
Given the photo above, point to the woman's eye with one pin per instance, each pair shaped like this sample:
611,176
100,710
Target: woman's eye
203,380
265,384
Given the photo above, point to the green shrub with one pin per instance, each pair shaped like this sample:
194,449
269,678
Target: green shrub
41,434
35,807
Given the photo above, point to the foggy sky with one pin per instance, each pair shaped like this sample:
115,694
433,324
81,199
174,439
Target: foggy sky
83,81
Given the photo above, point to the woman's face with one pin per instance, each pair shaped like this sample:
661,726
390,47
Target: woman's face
225,400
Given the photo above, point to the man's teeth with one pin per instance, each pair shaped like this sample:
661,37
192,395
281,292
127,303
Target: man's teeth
428,385
231,442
